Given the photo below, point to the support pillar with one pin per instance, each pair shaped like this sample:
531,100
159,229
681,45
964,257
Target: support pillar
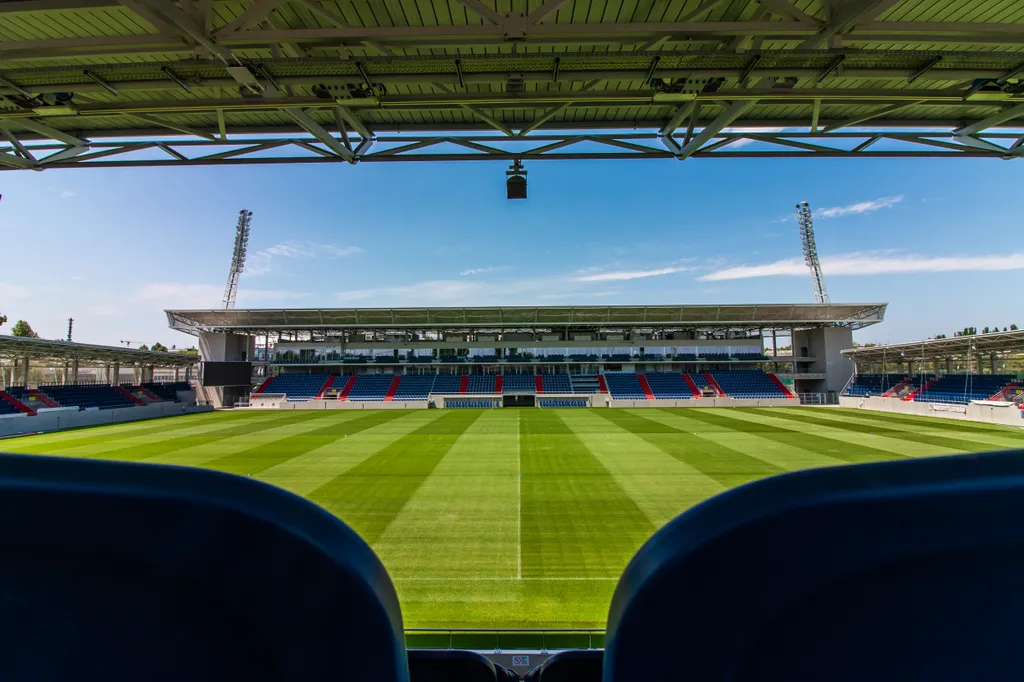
115,377
74,371
14,372
993,362
177,374
949,365
25,369
64,375
910,368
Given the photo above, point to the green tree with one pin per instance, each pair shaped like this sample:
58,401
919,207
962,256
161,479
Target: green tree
22,328
159,347
143,347
3,319
1013,327
985,330
189,351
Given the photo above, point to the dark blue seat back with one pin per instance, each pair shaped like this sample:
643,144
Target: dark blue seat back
907,570
116,571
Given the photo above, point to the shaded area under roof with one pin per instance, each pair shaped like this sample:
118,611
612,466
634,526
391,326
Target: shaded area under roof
17,347
938,349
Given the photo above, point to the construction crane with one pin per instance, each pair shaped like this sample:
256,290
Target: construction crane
237,257
803,217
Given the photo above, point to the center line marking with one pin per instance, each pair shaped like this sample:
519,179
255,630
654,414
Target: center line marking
519,498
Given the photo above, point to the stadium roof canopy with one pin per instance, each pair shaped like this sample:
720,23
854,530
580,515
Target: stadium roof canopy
526,317
91,83
939,349
17,347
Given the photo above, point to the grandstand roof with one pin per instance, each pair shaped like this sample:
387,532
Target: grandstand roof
17,347
153,82
938,349
504,317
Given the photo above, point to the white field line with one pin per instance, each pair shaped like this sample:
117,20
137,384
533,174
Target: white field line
519,498
455,579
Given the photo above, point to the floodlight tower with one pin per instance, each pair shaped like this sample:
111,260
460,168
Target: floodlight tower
803,216
237,257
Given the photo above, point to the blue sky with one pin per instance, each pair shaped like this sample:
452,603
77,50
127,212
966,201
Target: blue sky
936,239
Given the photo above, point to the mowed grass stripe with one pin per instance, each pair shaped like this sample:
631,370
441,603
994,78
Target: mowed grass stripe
472,534
725,465
136,451
371,494
1004,438
259,458
305,473
903,434
576,520
740,419
781,455
101,435
661,485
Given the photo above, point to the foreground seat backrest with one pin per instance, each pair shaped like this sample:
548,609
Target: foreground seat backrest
909,570
451,665
117,571
572,666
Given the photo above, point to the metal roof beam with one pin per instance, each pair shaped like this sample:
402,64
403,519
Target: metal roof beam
784,9
1003,116
353,120
867,117
172,19
483,11
171,126
847,18
549,6
318,131
734,111
256,12
49,132
677,118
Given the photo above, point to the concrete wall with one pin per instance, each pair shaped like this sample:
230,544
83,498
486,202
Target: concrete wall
55,420
1008,415
342,405
824,348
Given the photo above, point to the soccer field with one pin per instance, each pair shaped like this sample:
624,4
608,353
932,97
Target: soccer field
516,518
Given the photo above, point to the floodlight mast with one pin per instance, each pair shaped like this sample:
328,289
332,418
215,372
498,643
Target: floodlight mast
237,257
803,216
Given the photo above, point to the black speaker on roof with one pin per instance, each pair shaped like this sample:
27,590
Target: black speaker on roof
515,185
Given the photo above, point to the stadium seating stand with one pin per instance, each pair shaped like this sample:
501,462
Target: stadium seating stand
963,388
296,385
624,386
748,383
668,385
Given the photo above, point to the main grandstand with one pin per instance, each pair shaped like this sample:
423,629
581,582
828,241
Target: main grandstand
594,355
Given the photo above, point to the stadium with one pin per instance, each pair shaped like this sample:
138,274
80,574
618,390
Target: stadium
482,493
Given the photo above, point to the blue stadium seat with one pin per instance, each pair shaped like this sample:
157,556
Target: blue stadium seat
167,390
370,387
748,383
415,387
582,665
874,384
297,385
668,385
906,570
963,388
557,383
446,384
519,383
99,396
624,386
120,572
481,384
446,665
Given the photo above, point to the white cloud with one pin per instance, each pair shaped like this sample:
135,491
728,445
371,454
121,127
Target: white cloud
183,295
742,142
262,262
9,291
858,208
623,275
853,264
476,271
67,194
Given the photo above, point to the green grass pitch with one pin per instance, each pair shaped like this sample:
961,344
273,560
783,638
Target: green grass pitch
516,518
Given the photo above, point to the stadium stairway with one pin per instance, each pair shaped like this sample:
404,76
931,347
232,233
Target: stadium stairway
1004,393
910,397
323,391
392,389
348,388
714,384
782,387
464,383
153,397
499,383
693,386
263,386
11,405
538,384
135,399
602,383
41,397
645,387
